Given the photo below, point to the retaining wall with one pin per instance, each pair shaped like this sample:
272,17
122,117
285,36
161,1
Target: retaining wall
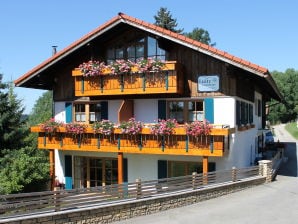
133,208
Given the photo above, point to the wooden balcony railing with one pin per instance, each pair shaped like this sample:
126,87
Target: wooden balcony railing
166,81
145,143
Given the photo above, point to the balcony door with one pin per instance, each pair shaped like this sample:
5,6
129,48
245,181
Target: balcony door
95,172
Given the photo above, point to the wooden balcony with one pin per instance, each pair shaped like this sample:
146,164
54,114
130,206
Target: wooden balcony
145,143
166,81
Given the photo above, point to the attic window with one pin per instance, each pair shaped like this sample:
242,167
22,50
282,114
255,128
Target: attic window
141,47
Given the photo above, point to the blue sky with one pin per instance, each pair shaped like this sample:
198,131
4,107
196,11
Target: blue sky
264,32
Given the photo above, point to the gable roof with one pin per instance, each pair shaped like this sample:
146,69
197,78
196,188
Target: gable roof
140,24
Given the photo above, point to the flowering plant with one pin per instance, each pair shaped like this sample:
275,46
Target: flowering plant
92,68
131,127
164,127
121,67
95,68
105,127
51,125
75,128
147,65
197,128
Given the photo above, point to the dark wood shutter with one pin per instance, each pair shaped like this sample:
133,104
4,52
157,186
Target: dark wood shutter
162,109
125,170
68,172
162,167
104,110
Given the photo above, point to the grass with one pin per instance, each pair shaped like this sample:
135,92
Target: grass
292,129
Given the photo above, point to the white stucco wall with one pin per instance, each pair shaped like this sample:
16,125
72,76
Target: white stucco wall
224,111
146,110
113,108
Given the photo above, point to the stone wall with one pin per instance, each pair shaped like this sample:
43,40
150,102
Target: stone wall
133,208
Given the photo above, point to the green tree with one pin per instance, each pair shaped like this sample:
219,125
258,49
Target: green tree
288,85
22,166
201,35
165,20
42,110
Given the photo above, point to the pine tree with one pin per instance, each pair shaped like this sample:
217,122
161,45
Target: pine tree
164,19
22,166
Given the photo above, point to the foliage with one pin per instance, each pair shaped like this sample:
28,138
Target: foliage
12,125
201,35
105,127
164,127
131,127
287,111
23,167
292,128
51,125
42,110
197,128
23,170
164,19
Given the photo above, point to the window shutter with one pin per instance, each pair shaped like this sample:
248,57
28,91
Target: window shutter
68,172
125,170
104,110
162,109
162,169
238,117
209,110
251,117
68,112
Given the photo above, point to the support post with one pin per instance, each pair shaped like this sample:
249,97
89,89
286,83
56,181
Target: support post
234,174
120,168
139,188
194,174
52,167
205,169
265,169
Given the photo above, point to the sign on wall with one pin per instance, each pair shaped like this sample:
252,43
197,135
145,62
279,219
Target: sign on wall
208,83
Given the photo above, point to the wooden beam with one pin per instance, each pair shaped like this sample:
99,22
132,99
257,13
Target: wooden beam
120,168
52,167
205,164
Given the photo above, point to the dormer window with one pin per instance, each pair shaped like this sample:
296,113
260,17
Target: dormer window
139,48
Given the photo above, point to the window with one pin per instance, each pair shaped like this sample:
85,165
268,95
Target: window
178,168
95,112
80,114
186,111
244,113
93,172
195,111
140,47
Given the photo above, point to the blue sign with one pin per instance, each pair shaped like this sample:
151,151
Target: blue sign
208,83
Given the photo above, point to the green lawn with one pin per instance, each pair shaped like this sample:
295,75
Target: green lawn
292,129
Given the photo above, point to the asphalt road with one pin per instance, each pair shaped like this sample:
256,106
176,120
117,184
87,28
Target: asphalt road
275,202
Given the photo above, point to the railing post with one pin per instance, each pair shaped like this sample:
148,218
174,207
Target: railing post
265,169
194,174
234,174
139,188
57,200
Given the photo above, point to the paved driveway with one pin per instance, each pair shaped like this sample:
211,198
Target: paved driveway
276,202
